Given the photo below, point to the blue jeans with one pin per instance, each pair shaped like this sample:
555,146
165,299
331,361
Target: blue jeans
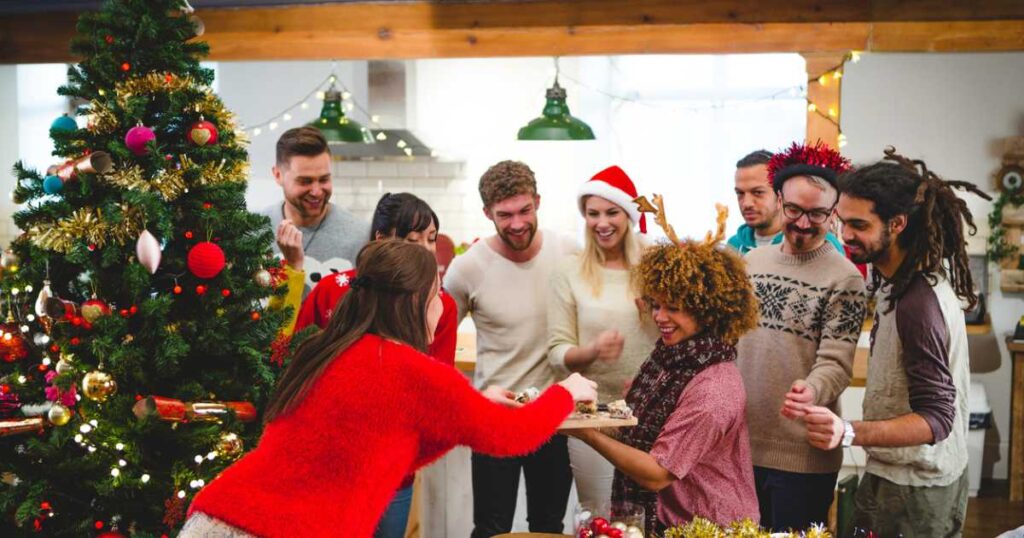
396,517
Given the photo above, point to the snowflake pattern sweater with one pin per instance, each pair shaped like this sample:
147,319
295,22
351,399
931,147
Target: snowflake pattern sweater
379,411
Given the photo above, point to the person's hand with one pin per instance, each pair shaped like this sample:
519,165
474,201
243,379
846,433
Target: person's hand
289,240
608,346
824,429
501,395
581,388
800,396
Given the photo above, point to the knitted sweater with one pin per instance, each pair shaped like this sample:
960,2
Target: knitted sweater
812,309
319,305
576,317
329,466
508,302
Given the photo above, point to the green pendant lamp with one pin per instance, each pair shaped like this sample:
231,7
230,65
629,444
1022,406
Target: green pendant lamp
556,123
335,126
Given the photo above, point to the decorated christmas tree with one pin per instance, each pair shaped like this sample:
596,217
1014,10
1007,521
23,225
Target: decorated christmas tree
135,351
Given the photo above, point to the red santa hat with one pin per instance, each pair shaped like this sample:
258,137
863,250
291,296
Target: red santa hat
614,185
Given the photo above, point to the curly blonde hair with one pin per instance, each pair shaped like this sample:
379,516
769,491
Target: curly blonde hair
505,180
708,282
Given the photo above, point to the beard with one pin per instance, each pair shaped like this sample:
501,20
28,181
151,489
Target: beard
518,242
305,212
803,238
871,252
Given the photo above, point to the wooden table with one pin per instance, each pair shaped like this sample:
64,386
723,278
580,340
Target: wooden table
1016,421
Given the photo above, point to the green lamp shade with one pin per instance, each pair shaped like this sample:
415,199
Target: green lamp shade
335,126
556,123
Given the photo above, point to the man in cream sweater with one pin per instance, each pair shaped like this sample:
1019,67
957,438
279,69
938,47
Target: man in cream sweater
812,303
503,282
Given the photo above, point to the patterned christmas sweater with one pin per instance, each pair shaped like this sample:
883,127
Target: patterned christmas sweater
380,410
812,310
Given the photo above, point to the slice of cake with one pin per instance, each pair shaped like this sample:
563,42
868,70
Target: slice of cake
619,409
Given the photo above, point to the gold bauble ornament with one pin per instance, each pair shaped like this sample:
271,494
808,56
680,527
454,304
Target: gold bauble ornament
263,278
128,338
230,445
98,386
59,415
9,260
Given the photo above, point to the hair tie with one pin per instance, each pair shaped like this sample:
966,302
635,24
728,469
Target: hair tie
361,282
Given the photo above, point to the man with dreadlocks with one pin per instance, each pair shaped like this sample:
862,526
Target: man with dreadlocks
812,304
909,225
690,455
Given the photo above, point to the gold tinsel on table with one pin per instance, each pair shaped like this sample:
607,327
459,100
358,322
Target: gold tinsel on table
702,528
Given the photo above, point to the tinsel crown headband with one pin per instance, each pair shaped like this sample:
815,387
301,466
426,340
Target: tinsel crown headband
657,206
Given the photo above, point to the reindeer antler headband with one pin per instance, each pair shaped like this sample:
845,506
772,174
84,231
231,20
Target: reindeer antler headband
658,209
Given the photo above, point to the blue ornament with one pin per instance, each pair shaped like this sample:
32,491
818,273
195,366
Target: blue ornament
52,184
64,123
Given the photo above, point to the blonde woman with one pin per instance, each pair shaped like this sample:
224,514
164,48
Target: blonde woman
594,326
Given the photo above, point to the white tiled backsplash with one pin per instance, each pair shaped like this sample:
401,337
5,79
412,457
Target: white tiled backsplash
358,185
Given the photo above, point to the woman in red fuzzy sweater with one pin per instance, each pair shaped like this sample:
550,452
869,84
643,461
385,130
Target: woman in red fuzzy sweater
359,407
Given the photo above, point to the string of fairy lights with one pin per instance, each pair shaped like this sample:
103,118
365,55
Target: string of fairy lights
289,113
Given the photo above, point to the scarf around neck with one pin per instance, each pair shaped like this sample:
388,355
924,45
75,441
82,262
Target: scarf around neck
653,396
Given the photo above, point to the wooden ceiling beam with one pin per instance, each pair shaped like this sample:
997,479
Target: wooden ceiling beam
482,29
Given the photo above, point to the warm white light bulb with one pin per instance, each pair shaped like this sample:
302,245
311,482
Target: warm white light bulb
115,472
144,478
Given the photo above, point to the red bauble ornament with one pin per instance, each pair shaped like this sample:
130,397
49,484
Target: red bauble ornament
206,260
54,348
168,78
612,532
93,309
225,292
126,66
200,289
202,133
123,312
189,235
176,290
137,137
92,248
585,532
207,205
110,534
109,39
133,310
255,316
75,341
98,525
76,321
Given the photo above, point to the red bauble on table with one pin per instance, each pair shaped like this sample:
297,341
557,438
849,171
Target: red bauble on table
206,260
202,133
110,534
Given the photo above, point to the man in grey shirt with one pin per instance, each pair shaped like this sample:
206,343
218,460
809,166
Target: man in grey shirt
313,235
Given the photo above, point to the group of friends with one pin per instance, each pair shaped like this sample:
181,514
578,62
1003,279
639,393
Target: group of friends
732,355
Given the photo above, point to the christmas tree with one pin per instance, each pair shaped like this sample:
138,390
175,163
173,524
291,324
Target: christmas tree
135,350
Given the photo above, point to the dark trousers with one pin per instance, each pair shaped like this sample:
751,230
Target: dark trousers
793,500
496,485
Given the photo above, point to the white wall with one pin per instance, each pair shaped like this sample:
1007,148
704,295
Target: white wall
8,140
678,135
259,91
952,111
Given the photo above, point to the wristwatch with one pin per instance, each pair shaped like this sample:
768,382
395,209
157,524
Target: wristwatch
848,433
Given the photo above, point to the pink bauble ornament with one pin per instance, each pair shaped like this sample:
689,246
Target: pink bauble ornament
137,138
147,250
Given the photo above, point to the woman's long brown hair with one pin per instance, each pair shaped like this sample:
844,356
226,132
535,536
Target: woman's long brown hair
388,298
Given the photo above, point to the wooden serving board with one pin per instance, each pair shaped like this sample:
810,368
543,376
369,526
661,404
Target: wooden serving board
601,420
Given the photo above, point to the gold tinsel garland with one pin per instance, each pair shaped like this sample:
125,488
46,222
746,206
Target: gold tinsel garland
88,225
103,120
702,528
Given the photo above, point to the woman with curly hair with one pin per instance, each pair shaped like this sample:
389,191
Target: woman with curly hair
690,454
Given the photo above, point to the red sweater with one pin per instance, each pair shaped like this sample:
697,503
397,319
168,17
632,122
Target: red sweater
319,305
379,411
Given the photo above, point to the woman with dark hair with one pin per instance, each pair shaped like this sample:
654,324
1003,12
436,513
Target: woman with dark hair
398,216
359,407
401,216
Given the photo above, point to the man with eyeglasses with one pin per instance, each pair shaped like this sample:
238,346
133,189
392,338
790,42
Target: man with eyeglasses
759,206
812,302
